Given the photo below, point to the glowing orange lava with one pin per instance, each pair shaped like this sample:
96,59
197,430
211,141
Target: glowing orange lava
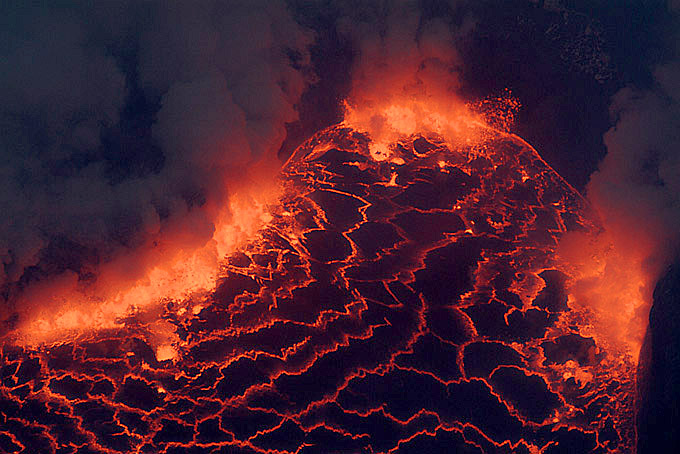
607,280
68,310
608,277
401,118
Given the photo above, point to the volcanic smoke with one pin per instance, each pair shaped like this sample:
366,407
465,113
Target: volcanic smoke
101,225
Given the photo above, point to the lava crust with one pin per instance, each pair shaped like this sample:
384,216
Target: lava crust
406,305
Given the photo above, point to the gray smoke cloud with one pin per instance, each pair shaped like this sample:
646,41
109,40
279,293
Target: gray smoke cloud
637,186
636,193
225,77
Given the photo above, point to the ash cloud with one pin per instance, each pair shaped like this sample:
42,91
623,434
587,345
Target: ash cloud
636,193
128,124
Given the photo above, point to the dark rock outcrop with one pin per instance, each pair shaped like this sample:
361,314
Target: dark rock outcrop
658,417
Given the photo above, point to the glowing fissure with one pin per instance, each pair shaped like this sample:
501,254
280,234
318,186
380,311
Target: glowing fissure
403,295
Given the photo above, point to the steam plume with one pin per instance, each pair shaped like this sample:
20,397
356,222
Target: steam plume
636,192
80,206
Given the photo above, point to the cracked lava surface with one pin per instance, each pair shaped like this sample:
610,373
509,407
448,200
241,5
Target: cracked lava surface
406,305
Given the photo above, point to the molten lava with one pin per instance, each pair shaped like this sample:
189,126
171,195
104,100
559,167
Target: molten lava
67,310
403,295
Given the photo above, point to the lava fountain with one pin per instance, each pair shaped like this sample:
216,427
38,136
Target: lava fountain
404,295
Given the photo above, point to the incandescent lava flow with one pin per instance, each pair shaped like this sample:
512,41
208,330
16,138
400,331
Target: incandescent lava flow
405,297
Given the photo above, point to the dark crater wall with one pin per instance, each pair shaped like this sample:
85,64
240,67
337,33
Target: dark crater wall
658,418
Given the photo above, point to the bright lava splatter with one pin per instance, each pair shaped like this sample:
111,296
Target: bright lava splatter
404,297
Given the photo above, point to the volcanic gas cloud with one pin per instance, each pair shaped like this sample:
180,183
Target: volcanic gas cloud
106,213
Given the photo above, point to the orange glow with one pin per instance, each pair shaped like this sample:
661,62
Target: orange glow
398,118
573,370
611,281
166,352
392,113
64,309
